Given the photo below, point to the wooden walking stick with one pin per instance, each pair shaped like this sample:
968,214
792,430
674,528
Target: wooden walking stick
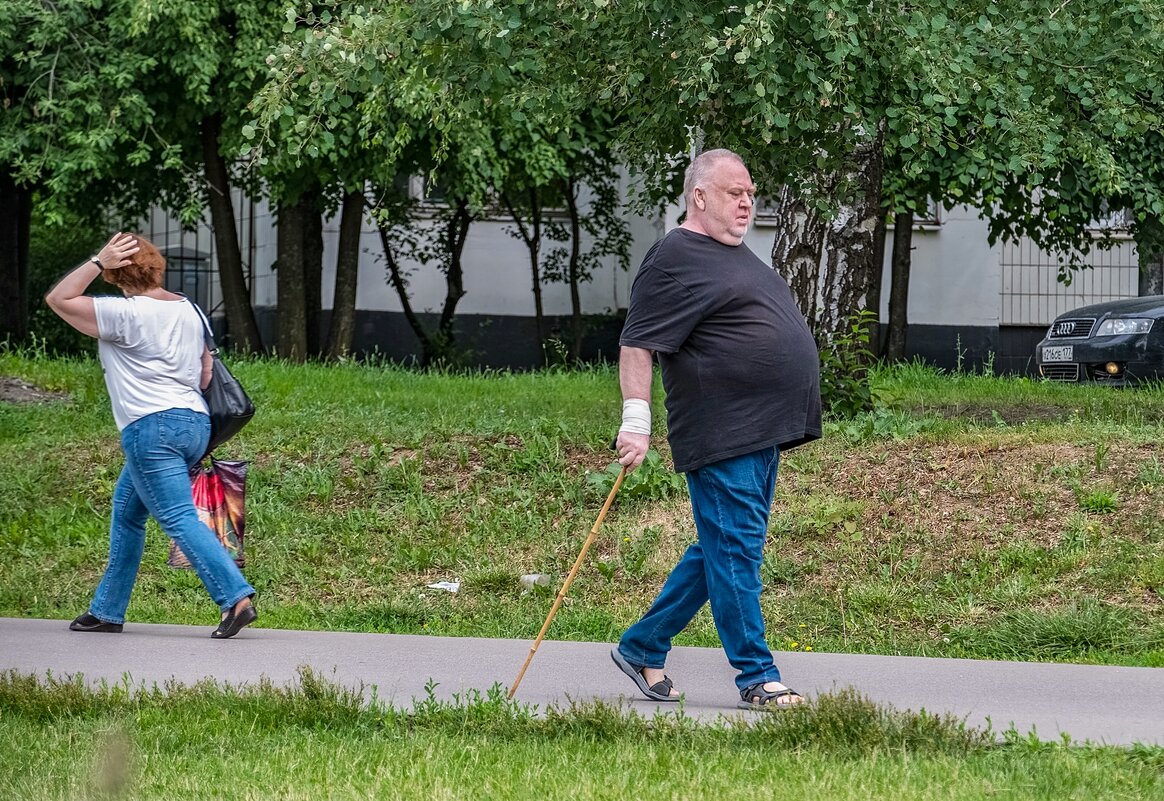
569,579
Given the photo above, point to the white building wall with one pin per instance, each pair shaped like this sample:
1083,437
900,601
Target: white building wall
957,277
954,274
496,273
496,277
262,252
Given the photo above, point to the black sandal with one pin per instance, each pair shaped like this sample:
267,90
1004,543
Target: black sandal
659,691
756,697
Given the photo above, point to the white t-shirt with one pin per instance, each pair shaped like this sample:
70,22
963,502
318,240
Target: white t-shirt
152,354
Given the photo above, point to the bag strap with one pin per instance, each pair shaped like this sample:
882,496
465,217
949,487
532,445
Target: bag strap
207,333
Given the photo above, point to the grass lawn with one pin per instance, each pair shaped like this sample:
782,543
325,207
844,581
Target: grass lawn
61,741
968,516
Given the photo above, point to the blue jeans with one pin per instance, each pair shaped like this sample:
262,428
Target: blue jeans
731,500
160,449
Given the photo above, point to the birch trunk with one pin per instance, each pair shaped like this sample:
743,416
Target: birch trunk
849,257
830,263
796,253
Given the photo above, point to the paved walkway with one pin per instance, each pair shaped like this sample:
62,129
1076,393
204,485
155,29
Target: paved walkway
1115,705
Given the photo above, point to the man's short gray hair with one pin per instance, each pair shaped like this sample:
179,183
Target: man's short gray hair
701,166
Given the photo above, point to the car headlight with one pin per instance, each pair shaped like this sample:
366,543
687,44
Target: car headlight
1123,325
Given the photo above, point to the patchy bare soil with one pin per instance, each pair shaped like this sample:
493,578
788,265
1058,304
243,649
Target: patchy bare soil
958,497
1010,415
995,491
16,390
943,506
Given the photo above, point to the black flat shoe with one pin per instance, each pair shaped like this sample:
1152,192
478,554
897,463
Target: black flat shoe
234,622
87,622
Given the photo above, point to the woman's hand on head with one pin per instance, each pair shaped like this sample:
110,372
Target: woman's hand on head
117,251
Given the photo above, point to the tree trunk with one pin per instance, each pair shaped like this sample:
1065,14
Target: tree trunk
396,276
1151,273
832,293
313,270
242,328
456,231
15,228
289,274
849,257
531,234
899,289
873,302
576,329
347,264
796,253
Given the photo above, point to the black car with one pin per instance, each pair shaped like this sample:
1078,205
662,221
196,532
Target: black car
1119,342
1116,342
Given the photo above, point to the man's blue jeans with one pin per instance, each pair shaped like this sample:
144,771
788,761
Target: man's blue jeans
160,449
731,500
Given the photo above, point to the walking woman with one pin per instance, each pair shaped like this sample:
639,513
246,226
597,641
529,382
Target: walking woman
150,342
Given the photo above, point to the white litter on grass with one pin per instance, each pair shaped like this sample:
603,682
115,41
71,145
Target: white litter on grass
450,586
531,580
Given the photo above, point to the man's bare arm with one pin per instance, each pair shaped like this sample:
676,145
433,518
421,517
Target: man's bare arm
635,374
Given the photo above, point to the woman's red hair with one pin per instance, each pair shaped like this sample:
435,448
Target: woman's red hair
146,270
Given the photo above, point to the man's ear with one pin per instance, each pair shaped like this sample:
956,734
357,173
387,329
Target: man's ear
699,197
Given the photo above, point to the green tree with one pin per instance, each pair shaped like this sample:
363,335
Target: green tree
220,52
120,105
77,135
816,95
210,59
442,112
579,173
596,233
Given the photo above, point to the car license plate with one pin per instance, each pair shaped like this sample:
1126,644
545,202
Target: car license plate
1058,353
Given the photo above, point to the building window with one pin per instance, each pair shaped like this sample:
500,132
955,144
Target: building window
1112,222
765,214
418,188
931,217
188,271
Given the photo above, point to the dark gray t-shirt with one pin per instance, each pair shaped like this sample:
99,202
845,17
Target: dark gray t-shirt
740,366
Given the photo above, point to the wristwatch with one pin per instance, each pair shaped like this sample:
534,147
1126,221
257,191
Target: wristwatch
97,261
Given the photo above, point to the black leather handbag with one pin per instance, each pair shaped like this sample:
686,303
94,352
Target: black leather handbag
230,406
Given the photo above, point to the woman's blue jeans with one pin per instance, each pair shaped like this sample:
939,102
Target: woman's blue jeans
732,500
160,450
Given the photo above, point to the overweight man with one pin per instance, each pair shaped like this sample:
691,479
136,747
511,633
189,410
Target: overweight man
742,378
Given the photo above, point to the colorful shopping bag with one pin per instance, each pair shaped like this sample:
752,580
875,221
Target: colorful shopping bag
220,498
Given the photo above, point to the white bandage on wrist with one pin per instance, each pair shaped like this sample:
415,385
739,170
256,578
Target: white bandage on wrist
636,416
